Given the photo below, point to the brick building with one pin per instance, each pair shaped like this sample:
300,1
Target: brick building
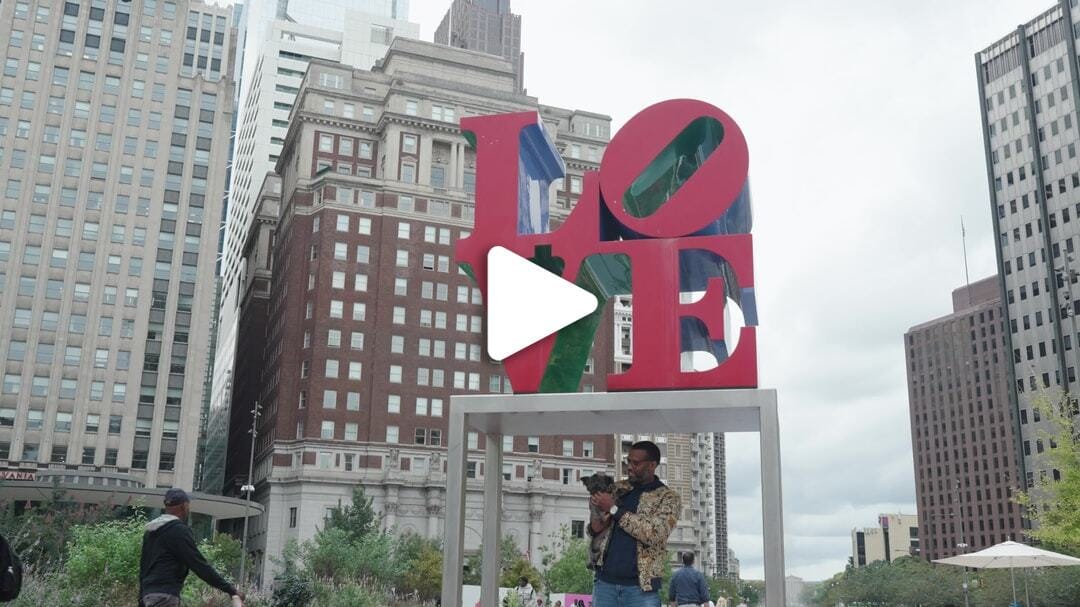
370,326
963,431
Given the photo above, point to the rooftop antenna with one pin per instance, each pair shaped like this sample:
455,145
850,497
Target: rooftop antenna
963,241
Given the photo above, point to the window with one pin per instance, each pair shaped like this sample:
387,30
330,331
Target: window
587,448
329,399
395,374
393,403
534,444
327,430
568,448
391,434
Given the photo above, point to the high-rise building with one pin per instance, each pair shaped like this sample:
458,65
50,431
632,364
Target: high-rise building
485,26
962,426
370,326
280,38
1028,90
720,526
895,536
114,118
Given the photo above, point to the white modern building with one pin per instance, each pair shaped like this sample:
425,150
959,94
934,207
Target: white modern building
279,39
896,535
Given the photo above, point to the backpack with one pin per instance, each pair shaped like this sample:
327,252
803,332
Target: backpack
10,572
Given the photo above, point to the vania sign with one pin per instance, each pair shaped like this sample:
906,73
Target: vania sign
667,215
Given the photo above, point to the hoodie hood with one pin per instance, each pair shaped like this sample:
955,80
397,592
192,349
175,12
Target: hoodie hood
160,522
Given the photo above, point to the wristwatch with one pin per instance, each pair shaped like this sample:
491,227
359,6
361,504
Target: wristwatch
613,510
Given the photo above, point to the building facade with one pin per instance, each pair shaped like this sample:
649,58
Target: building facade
369,325
962,427
895,536
486,26
280,39
113,123
1028,91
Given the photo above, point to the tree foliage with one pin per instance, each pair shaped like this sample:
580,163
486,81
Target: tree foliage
357,519
41,532
911,582
508,553
421,566
565,560
1055,504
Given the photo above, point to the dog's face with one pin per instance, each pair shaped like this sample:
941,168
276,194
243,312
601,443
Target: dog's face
598,483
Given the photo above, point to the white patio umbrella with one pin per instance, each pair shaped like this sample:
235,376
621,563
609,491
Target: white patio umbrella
1010,555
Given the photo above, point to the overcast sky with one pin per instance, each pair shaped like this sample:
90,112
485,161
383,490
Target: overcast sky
866,150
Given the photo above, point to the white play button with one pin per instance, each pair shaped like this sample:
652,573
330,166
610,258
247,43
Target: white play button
526,303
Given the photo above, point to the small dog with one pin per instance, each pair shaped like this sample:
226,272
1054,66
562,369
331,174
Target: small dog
597,483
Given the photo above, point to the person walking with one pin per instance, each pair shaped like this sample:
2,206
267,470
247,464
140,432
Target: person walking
525,592
641,513
688,587
169,551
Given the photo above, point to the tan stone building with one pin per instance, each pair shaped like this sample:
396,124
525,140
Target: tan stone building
114,131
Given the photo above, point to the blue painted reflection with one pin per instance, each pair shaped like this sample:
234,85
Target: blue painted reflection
539,165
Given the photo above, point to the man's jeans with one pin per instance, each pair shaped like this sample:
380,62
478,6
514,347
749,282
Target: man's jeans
157,599
613,595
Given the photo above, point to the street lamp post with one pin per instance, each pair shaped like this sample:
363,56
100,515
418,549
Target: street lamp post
247,490
962,545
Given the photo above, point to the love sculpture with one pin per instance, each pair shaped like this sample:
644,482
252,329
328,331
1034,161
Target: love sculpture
668,213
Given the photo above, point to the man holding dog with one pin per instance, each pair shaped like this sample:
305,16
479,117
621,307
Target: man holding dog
641,515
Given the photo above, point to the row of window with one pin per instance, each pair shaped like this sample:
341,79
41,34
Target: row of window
63,422
347,146
31,453
46,353
67,387
54,289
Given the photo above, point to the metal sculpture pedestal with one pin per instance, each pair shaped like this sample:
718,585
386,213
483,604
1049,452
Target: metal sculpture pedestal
674,412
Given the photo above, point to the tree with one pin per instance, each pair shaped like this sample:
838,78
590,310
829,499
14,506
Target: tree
420,561
725,587
358,519
508,553
40,531
1056,504
521,568
750,592
565,561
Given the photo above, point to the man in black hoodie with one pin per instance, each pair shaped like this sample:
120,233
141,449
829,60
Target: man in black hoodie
169,551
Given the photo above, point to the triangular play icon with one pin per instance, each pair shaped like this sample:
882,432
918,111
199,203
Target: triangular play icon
526,303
